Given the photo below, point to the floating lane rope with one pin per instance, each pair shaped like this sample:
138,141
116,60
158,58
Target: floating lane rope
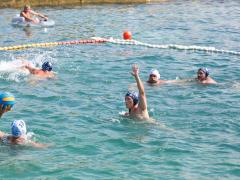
95,40
19,47
168,46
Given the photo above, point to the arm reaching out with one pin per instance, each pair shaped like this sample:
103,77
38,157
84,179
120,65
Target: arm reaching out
40,15
31,69
142,96
38,145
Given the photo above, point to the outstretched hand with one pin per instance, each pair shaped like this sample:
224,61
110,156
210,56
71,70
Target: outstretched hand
45,18
135,70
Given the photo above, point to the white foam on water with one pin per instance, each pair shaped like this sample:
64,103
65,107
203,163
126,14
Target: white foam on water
13,68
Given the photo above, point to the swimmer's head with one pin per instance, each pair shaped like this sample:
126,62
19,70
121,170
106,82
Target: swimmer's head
27,8
46,66
131,99
154,76
202,73
205,70
18,128
7,100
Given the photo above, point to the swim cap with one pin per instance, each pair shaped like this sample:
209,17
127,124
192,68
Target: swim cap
155,72
134,96
205,70
18,128
7,99
47,66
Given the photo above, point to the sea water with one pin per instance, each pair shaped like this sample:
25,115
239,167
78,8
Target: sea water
78,113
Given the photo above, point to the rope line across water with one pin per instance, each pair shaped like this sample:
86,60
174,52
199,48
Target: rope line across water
170,46
95,40
19,47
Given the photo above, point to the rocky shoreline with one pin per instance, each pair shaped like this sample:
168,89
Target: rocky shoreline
21,3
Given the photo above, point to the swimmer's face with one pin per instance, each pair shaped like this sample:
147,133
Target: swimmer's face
153,78
201,75
27,9
129,102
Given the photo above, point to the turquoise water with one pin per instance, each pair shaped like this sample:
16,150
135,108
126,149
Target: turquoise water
78,113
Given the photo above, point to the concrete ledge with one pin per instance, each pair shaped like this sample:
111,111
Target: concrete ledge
21,3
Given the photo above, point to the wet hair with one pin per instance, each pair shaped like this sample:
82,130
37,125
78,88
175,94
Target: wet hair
205,70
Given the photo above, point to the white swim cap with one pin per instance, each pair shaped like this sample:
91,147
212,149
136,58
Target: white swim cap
155,72
18,128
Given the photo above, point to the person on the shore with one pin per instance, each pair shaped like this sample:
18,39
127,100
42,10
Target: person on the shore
137,102
203,77
29,14
19,135
7,100
46,70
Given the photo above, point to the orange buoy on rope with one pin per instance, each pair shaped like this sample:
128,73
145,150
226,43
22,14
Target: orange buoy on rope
127,35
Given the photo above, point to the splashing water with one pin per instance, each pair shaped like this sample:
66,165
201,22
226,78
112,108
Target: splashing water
14,70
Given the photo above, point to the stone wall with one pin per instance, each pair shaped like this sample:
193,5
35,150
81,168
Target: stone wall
21,3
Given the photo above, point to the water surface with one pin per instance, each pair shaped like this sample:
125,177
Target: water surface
78,113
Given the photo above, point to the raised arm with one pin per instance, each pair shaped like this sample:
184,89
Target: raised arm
142,96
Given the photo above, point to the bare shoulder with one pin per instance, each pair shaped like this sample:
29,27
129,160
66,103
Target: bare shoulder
211,81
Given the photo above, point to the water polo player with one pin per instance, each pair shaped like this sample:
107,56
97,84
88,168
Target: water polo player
137,102
203,76
46,70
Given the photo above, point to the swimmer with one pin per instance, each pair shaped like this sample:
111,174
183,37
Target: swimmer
203,77
19,135
7,100
154,78
137,102
46,70
27,13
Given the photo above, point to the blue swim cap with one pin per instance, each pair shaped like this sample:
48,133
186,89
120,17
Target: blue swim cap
7,99
134,96
205,70
18,128
47,66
